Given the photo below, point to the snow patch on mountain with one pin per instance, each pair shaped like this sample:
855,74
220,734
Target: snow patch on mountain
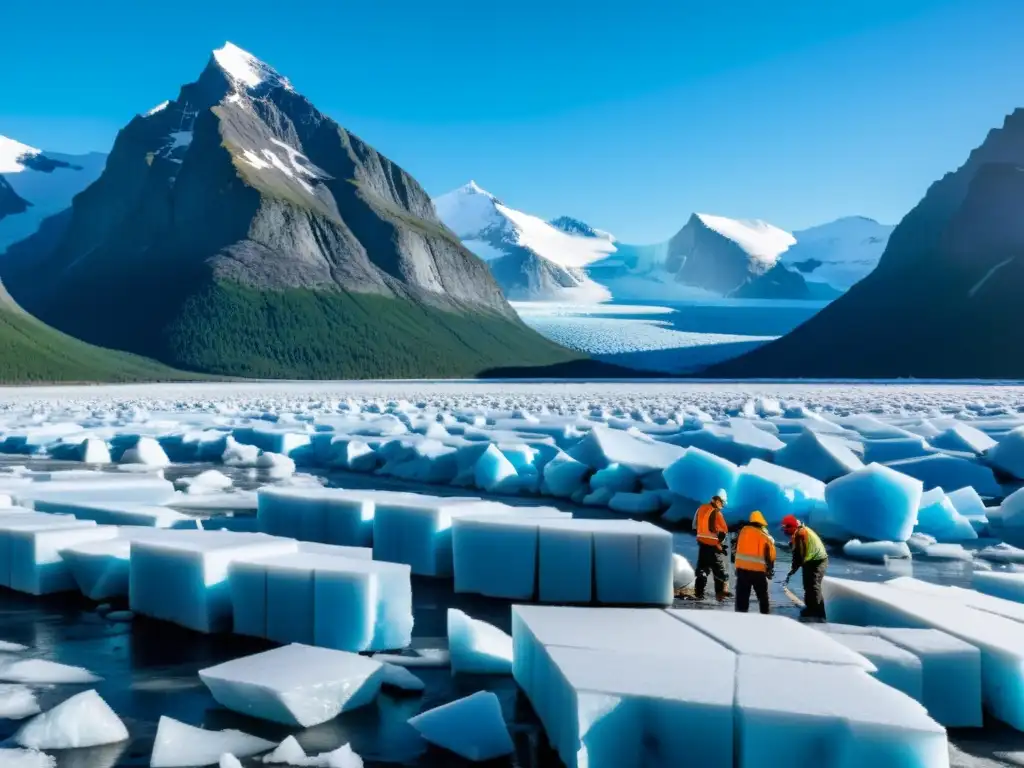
839,253
158,108
553,244
35,185
13,153
759,239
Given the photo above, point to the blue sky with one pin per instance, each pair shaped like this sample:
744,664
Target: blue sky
629,115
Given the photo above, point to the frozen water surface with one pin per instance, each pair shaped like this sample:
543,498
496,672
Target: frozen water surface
429,438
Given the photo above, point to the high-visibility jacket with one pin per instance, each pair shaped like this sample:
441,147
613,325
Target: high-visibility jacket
807,547
755,550
709,524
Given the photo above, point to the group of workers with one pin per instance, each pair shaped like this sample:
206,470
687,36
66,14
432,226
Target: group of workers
753,555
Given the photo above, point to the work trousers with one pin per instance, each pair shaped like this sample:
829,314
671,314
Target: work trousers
714,561
814,572
751,580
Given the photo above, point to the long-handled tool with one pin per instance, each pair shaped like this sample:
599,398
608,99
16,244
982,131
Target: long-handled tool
793,598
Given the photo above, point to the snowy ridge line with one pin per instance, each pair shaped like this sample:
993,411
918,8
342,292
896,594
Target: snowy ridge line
704,686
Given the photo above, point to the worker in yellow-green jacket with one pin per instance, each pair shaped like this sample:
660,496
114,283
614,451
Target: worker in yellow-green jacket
808,553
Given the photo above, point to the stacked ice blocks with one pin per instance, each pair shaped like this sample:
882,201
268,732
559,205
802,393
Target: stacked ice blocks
417,530
295,685
620,686
496,555
100,568
119,513
894,666
774,637
563,560
335,597
108,488
829,715
326,515
182,577
29,549
1008,586
950,674
633,687
1000,640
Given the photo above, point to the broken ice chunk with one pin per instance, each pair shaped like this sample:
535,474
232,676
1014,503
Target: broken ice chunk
145,451
876,551
699,475
875,502
178,745
471,727
295,684
84,720
25,758
17,702
394,676
42,672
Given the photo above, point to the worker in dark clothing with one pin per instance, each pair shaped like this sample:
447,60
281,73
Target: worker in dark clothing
711,528
754,558
808,553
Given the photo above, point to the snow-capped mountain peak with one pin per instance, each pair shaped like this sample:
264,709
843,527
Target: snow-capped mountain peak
472,188
468,211
244,69
761,240
531,258
13,154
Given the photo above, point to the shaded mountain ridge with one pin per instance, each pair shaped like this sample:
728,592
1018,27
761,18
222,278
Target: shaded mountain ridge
942,301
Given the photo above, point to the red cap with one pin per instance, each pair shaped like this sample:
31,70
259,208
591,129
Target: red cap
790,523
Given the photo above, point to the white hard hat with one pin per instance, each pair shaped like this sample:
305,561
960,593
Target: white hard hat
723,495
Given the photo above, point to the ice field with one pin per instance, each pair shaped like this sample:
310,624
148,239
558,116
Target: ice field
673,338
350,574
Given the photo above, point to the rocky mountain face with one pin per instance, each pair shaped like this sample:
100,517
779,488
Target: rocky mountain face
942,301
35,185
722,255
238,230
531,259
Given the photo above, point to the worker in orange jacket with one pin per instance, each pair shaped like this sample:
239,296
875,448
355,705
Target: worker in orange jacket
712,530
754,558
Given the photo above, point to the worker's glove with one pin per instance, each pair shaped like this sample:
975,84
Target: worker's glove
771,575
